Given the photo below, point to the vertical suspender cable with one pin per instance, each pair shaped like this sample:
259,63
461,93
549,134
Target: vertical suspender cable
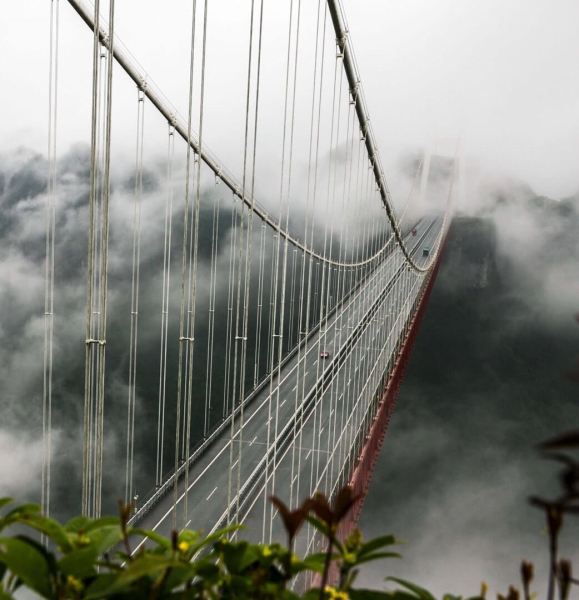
135,279
49,259
229,335
211,319
327,270
104,261
333,448
86,478
293,278
243,275
182,319
248,249
97,278
313,206
193,259
275,338
165,305
302,322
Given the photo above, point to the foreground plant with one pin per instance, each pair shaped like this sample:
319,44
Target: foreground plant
78,564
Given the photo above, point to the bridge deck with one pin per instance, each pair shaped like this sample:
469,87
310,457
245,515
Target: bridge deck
306,398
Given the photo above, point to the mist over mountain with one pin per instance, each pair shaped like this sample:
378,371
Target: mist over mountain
214,382
485,384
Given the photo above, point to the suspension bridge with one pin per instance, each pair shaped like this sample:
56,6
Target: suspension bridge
234,321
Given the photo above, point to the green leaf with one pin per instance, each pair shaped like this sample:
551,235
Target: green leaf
362,594
152,535
105,538
312,594
179,576
22,512
376,556
370,595
51,529
416,589
146,565
313,562
103,522
80,563
27,563
216,535
207,570
289,595
48,556
78,524
379,542
103,586
319,525
5,501
402,595
239,555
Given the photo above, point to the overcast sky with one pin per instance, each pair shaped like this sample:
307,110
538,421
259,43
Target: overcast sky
501,75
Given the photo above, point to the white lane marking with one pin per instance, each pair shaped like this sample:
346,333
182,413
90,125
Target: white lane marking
295,388
253,440
211,494
282,403
308,454
315,362
322,429
341,396
233,465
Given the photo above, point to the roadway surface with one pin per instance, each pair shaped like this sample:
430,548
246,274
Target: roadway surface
301,432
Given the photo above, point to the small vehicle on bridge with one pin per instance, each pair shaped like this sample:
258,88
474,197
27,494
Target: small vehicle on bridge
324,354
425,251
414,232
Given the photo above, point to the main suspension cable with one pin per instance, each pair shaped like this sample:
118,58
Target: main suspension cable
229,180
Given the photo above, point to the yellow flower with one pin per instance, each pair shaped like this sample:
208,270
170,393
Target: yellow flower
83,540
74,583
334,594
184,546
